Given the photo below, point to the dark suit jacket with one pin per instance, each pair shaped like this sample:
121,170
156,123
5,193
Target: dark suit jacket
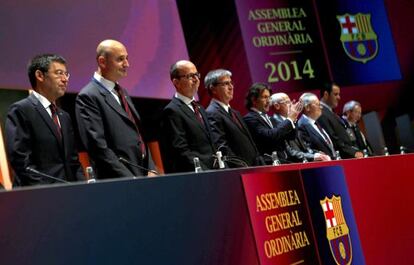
296,149
311,136
270,139
32,141
107,133
232,140
334,126
356,137
184,137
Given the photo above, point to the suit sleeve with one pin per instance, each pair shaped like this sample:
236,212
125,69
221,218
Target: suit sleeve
294,151
339,143
92,133
74,163
19,146
278,134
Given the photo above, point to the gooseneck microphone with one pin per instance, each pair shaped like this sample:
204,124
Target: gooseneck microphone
44,175
125,161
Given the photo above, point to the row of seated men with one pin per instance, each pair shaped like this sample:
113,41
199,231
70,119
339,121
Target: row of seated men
40,139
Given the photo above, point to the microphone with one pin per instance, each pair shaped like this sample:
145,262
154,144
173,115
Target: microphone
276,159
36,172
219,159
125,161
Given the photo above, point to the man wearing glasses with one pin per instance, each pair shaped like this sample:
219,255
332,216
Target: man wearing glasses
39,135
186,133
311,131
297,149
230,133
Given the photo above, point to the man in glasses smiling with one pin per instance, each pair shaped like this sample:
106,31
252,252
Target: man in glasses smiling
230,133
185,132
39,135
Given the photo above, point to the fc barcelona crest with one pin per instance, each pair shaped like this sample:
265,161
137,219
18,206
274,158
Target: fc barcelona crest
337,230
357,36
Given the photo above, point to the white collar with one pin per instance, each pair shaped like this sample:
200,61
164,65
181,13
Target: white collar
42,99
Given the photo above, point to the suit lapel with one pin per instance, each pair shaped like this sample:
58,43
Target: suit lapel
45,117
261,120
190,114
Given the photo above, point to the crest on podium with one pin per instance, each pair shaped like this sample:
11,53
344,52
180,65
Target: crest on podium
337,231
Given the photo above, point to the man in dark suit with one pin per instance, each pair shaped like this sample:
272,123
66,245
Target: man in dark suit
230,133
268,135
109,125
351,116
38,134
186,133
297,149
310,129
332,123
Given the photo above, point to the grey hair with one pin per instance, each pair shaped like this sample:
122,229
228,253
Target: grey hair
277,97
350,105
213,76
307,98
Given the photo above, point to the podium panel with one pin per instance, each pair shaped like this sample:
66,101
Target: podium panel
197,218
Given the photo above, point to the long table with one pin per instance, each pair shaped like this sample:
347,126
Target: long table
190,218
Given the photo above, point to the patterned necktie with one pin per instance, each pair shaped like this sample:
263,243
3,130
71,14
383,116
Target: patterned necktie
324,135
234,118
197,113
53,110
266,118
124,104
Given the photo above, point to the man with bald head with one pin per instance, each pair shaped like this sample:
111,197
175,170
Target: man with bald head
186,133
109,125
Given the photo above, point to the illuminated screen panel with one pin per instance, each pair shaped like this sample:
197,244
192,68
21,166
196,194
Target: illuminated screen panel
359,41
151,31
283,44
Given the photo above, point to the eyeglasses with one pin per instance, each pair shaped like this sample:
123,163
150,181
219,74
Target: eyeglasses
191,76
62,73
318,105
226,83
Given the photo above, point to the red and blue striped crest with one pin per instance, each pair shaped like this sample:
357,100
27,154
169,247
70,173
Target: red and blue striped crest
337,230
357,36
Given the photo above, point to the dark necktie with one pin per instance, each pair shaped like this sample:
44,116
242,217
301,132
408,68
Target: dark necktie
124,103
197,113
53,110
324,135
358,137
234,118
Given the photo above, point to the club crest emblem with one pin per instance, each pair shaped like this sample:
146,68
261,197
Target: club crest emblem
337,231
357,36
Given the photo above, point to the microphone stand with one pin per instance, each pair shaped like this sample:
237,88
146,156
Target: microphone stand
36,172
125,161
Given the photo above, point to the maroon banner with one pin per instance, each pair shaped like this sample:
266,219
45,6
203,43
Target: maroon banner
283,43
280,219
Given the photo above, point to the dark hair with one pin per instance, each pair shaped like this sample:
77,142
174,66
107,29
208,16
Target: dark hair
42,63
212,78
327,86
254,93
